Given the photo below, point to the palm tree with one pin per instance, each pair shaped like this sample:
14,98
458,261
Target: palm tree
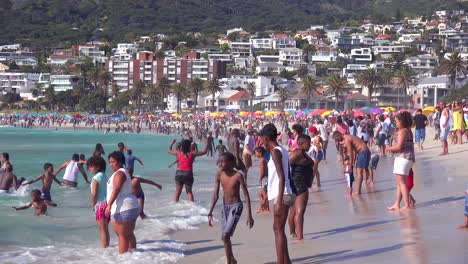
152,96
115,89
137,94
212,87
371,79
403,78
105,78
308,87
50,97
251,89
283,94
454,66
196,86
180,92
336,84
163,87
94,75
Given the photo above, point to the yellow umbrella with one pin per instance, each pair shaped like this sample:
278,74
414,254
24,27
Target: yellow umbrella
388,109
244,114
259,112
176,115
327,113
430,109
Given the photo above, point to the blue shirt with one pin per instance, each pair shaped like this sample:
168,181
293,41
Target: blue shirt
130,161
101,179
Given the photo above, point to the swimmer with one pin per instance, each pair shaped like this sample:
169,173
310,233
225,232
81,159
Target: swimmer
72,168
8,180
40,205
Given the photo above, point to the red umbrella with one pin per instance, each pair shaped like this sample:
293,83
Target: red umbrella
317,112
358,112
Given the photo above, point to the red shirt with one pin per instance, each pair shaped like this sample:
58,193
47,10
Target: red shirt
185,162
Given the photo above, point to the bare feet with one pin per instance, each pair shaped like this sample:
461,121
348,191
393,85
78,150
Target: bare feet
143,216
293,235
394,208
357,193
404,208
259,211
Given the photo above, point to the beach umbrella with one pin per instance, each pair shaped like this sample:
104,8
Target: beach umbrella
259,112
299,114
377,111
367,108
358,113
244,114
317,112
388,108
327,113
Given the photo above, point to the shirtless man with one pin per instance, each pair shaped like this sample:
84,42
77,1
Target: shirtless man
5,160
211,145
231,181
234,149
72,168
8,179
358,153
47,177
444,128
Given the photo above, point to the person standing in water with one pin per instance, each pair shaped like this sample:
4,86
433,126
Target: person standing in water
184,174
98,150
97,166
72,169
130,162
211,145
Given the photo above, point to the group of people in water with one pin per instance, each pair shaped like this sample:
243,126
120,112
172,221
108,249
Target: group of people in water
286,173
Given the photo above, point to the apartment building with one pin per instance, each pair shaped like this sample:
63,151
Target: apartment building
388,51
422,62
64,82
92,51
283,41
291,56
324,54
362,56
240,49
262,43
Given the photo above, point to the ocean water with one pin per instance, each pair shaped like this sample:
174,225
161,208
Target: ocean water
69,232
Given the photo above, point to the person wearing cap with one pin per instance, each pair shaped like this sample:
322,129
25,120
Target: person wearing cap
280,189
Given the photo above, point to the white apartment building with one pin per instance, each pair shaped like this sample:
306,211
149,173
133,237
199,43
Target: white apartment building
262,43
291,56
282,41
362,56
409,38
262,83
241,49
351,70
268,58
387,51
422,62
221,57
18,82
64,82
93,52
122,73
324,54
125,51
10,47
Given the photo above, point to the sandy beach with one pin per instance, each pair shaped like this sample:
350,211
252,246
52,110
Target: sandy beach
340,229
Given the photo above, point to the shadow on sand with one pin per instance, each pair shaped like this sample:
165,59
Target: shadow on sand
439,201
348,228
346,255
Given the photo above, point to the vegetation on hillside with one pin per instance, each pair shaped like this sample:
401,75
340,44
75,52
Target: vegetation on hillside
57,22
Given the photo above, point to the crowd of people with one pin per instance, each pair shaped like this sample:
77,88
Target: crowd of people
289,164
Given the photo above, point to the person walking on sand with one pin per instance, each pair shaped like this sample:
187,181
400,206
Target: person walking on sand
184,174
234,149
359,155
404,159
444,128
249,146
421,122
231,181
279,188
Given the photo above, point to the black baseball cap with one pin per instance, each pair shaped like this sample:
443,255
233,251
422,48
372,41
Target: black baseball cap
269,130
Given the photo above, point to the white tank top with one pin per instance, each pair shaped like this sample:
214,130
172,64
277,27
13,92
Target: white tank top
443,119
273,179
71,172
125,199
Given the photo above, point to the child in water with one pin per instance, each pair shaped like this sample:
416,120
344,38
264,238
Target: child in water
374,161
465,225
262,192
40,205
138,192
232,181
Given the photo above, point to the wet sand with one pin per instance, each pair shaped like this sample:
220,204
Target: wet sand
340,229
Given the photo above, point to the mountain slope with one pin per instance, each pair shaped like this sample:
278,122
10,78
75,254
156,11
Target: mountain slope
41,22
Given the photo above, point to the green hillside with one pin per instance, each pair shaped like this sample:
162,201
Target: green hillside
42,22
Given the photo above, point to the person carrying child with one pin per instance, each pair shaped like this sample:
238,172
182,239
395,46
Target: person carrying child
231,181
39,205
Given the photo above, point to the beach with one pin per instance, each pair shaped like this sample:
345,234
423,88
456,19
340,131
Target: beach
339,229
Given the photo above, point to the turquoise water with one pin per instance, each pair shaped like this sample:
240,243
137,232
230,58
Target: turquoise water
69,232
